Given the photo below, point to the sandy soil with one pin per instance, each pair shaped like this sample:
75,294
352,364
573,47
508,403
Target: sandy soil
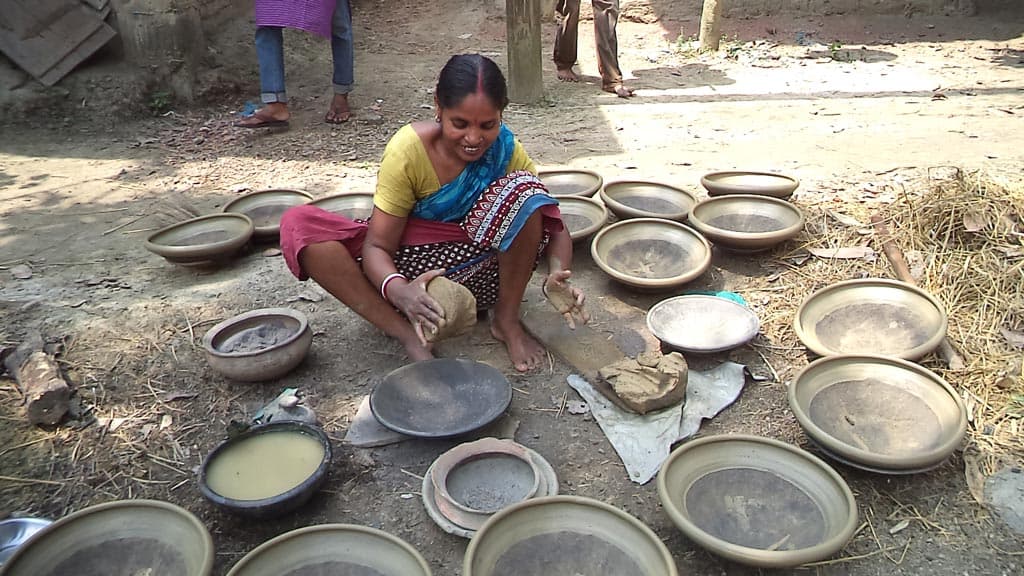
82,186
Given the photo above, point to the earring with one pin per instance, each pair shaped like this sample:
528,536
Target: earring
437,118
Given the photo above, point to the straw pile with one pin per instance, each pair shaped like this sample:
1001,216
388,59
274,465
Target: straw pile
968,231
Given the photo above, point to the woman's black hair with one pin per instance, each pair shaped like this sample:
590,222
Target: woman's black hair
466,74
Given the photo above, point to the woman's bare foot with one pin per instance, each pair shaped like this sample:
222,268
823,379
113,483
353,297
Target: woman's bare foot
339,112
567,75
525,352
619,90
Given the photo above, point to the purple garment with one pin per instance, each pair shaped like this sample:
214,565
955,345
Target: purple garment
313,16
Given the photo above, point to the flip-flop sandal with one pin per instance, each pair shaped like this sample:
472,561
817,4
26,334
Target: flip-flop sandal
333,117
263,122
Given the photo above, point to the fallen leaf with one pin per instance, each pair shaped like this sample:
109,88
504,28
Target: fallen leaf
845,252
846,220
21,272
1011,252
466,36
899,527
1014,337
974,221
165,422
172,396
307,296
270,252
973,463
77,304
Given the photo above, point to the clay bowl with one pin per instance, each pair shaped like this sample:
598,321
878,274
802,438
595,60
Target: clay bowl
268,470
757,501
643,199
878,413
265,207
121,537
651,253
16,531
440,398
566,535
746,222
871,316
702,324
258,345
741,182
474,480
571,182
333,549
582,216
352,205
202,241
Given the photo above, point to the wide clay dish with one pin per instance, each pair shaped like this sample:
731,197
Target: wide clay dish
877,412
651,253
333,549
258,345
285,501
566,535
741,182
571,182
757,501
120,537
701,323
644,199
202,240
265,208
746,222
871,316
352,205
440,398
582,216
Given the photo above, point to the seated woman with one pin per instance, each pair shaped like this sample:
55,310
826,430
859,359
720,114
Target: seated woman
456,197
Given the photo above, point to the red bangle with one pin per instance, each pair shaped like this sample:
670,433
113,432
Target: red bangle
387,280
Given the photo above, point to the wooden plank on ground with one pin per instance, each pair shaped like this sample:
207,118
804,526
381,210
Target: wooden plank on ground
38,34
87,48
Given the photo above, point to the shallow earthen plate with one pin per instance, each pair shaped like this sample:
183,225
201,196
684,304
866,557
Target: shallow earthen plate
258,345
651,253
120,537
265,207
353,205
871,316
645,199
333,549
571,182
701,323
582,216
203,240
566,535
741,182
746,222
878,413
757,501
440,398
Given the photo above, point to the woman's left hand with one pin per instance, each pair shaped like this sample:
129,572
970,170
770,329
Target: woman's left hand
566,298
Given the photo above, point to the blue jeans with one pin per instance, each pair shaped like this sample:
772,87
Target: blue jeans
270,54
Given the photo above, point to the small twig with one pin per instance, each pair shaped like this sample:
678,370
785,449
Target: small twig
25,444
561,408
413,474
520,391
30,481
119,226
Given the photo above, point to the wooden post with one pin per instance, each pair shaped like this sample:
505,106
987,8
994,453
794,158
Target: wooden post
525,72
710,25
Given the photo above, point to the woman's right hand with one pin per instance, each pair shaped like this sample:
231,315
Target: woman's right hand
412,299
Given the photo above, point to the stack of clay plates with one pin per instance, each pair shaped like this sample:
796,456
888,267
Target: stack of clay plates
468,484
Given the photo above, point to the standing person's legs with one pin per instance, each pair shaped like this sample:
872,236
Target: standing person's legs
343,55
270,55
565,39
606,18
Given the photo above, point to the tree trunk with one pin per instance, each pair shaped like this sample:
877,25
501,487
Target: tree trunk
525,71
710,25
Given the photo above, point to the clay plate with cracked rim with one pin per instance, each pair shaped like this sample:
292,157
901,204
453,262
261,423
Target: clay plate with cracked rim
871,316
701,323
582,216
647,199
265,208
651,253
201,241
757,501
878,413
746,222
120,537
333,549
571,182
744,182
352,205
566,535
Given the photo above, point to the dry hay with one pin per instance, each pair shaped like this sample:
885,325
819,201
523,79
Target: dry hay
967,231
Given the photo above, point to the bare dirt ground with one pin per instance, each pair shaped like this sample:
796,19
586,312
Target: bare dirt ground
81,186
